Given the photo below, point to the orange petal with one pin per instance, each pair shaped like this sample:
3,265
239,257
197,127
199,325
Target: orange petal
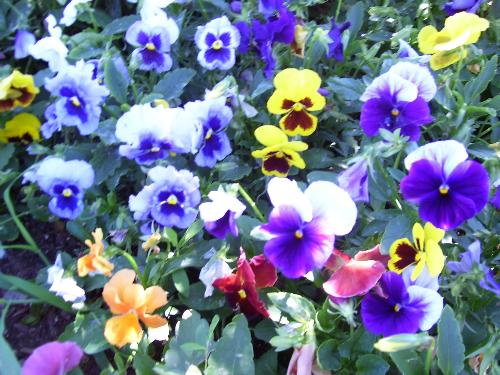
123,329
155,297
85,265
114,290
134,296
103,265
153,321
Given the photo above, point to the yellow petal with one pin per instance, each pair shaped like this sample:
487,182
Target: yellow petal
123,329
402,253
21,126
295,146
418,236
296,160
270,135
443,59
432,233
418,268
427,39
299,123
466,23
318,101
434,258
276,104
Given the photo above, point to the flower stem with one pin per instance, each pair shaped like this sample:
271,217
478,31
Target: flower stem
428,358
459,68
252,204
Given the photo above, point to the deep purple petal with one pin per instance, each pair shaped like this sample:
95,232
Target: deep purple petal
222,55
375,114
470,179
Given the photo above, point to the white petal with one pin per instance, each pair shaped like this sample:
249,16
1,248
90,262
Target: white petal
389,83
285,192
334,205
424,279
210,211
429,302
159,334
213,270
419,75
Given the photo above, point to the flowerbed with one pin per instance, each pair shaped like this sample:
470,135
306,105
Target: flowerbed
268,187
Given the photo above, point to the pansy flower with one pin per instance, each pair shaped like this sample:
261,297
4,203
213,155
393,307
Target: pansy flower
335,48
302,226
217,41
94,262
400,306
354,180
51,48
17,90
221,213
170,200
63,285
241,288
23,41
216,268
445,46
448,188
423,252
65,182
23,128
129,303
214,116
279,155
495,199
153,133
152,38
398,99
456,6
295,96
79,100
53,358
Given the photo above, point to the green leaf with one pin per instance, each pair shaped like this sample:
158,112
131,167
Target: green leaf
192,231
35,290
172,84
318,158
408,362
6,152
170,235
475,87
328,357
181,282
267,363
87,331
115,81
398,227
8,360
348,89
298,307
233,353
371,364
143,364
120,25
360,342
196,299
105,162
450,347
232,169
356,17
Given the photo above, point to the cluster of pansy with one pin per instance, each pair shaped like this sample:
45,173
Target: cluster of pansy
296,94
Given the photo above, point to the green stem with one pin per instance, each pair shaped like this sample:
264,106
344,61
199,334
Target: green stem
337,12
4,301
22,229
133,263
398,159
459,68
428,358
252,204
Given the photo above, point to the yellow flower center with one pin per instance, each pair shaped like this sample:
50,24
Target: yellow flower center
150,46
397,307
298,107
395,112
279,154
67,193
154,149
242,294
173,153
444,189
209,134
75,101
299,234
172,200
217,45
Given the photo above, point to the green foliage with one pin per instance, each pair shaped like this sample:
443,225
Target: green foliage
450,348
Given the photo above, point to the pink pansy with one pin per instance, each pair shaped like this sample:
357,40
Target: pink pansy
53,358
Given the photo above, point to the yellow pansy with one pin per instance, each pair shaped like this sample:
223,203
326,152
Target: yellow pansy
425,251
279,155
17,90
459,30
23,128
295,96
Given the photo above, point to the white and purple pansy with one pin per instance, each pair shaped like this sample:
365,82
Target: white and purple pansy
152,38
65,182
217,41
302,226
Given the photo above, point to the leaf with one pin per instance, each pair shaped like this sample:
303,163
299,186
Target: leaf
232,169
181,282
371,364
8,361
475,87
298,307
398,227
172,84
115,81
105,162
233,353
355,16
408,362
192,231
327,356
6,152
318,158
196,299
88,332
37,291
143,364
347,88
450,347
120,25
267,363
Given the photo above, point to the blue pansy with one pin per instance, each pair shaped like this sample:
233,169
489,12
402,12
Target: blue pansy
335,48
65,182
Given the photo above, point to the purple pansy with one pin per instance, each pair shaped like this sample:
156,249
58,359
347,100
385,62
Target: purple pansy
152,133
471,258
448,188
335,48
456,6
398,99
170,200
217,41
214,116
302,226
23,41
53,358
65,182
152,38
245,36
400,306
495,200
79,103
354,180
269,7
221,213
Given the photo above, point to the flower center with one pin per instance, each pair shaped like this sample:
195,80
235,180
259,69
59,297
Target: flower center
298,106
444,189
395,112
172,200
242,294
397,307
67,193
217,45
150,47
154,149
279,154
75,101
209,134
298,234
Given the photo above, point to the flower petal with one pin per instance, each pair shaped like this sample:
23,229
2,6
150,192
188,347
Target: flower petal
123,329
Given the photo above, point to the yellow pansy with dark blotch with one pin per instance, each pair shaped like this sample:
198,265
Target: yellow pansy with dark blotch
23,128
17,90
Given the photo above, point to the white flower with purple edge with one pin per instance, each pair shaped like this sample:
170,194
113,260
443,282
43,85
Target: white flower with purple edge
215,268
65,182
152,133
152,38
221,213
217,41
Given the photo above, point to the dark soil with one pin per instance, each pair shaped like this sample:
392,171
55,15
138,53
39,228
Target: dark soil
29,326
